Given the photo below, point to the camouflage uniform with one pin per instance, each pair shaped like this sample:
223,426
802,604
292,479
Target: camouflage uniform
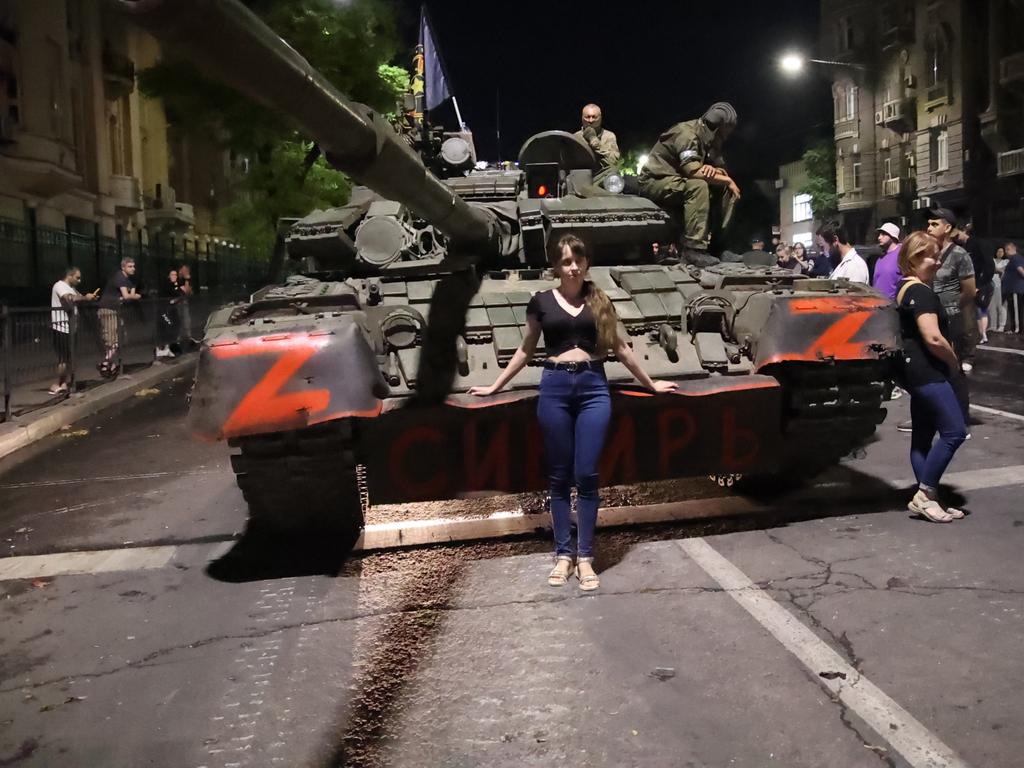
607,150
666,179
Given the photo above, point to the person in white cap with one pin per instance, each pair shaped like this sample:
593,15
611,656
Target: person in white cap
887,269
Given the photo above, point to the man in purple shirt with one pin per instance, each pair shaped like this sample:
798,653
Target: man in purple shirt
887,269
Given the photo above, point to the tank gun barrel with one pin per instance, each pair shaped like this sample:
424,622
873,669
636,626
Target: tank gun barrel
231,45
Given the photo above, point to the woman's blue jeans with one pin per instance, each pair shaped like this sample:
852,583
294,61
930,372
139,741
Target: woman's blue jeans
934,408
574,410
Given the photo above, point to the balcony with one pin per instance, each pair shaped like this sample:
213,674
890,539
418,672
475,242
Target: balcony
1010,163
897,187
899,115
847,128
167,216
1011,72
126,192
118,74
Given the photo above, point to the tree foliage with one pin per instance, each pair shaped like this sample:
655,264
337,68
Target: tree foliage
349,44
628,162
820,164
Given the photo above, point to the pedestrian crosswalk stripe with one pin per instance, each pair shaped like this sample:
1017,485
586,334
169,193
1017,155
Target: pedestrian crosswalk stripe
919,747
997,412
1007,350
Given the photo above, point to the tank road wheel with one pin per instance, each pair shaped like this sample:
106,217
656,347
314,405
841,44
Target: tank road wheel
302,484
829,411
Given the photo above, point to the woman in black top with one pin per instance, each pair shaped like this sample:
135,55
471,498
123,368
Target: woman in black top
574,407
931,373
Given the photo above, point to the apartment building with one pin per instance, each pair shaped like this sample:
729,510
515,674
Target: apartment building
81,150
928,109
797,223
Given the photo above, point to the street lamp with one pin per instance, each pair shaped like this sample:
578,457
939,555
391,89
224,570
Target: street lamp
641,162
792,63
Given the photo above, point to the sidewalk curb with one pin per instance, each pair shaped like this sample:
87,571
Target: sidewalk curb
32,427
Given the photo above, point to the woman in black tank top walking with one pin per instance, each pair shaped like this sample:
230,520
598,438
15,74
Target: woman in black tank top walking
574,407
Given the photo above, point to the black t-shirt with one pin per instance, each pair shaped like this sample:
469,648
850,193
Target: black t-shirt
111,297
561,330
919,365
984,264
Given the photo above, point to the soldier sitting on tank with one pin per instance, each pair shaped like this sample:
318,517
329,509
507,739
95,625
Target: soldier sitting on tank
685,174
601,140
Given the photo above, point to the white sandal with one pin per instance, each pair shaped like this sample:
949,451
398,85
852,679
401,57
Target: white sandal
559,575
929,509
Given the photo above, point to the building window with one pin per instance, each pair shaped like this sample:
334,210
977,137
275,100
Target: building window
844,35
55,89
887,165
802,208
851,102
940,160
937,58
840,177
807,238
9,101
856,175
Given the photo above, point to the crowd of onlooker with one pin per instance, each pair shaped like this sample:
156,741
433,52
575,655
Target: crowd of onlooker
995,299
173,318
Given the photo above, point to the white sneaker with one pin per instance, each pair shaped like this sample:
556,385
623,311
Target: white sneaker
967,367
164,352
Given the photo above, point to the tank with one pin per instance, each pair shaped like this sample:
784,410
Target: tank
348,382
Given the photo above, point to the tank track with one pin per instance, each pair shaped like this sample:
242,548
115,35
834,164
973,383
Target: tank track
829,410
302,483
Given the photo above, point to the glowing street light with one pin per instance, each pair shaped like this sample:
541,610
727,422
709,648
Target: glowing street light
641,162
791,63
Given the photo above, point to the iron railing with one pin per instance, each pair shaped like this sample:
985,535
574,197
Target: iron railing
35,341
33,257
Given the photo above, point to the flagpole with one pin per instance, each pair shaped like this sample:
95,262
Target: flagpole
458,114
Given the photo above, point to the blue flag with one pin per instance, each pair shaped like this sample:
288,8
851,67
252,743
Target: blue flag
435,83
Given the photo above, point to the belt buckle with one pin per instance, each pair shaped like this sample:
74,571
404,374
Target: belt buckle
572,366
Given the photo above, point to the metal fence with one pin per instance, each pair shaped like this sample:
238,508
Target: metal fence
35,341
33,257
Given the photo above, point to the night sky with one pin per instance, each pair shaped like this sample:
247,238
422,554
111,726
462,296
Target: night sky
647,64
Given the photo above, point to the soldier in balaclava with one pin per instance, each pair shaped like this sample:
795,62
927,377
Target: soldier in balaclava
685,173
601,140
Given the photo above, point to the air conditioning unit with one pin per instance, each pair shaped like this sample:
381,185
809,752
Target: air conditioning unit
909,81
879,117
780,183
911,160
885,143
855,149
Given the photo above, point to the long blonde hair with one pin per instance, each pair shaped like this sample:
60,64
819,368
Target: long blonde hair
601,306
913,248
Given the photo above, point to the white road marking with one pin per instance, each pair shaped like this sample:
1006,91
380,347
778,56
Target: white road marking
410,533
997,412
108,479
101,561
895,725
1007,350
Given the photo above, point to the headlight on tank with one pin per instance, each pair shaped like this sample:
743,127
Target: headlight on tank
614,184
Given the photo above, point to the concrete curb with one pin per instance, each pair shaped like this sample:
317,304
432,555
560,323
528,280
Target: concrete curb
27,429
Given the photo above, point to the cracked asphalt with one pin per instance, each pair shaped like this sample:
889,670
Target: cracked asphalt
463,656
